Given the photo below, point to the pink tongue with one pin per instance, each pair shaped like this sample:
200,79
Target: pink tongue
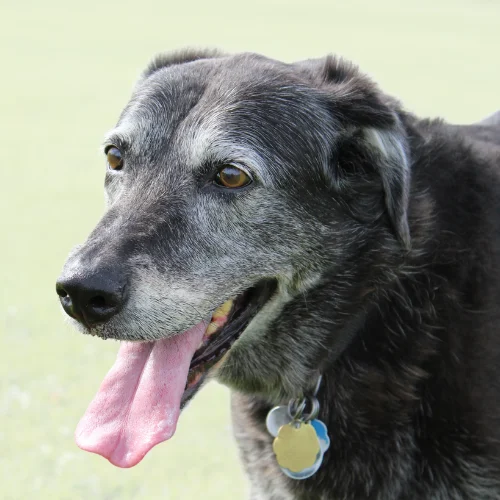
138,403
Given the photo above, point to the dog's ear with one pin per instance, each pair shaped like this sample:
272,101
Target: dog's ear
389,150
370,120
166,59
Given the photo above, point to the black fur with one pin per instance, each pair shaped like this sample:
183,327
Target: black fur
413,403
382,232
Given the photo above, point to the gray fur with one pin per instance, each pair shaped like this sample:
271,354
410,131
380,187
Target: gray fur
382,233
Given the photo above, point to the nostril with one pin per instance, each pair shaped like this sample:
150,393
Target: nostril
99,302
67,301
61,291
101,307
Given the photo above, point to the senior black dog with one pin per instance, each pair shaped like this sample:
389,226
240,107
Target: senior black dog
271,223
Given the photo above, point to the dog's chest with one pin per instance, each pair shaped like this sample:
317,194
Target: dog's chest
391,476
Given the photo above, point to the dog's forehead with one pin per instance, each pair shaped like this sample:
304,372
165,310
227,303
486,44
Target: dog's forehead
225,107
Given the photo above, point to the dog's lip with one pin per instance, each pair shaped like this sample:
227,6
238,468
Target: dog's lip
215,342
245,307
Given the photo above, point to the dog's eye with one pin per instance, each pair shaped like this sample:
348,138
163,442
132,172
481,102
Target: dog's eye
230,176
114,156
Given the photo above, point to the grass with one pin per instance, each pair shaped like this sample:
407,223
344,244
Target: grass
66,71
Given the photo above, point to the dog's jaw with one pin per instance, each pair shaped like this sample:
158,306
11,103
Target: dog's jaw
140,400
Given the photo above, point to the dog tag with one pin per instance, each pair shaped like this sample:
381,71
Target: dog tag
277,418
307,472
322,433
297,446
324,442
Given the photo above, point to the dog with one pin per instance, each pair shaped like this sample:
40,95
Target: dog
271,223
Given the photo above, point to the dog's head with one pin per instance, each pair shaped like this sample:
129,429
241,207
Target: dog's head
239,190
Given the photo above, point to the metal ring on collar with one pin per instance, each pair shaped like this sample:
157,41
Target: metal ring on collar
318,384
296,408
314,409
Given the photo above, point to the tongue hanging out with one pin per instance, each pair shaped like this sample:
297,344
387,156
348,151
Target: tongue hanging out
138,403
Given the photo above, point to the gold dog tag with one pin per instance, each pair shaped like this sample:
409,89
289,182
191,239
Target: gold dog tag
296,446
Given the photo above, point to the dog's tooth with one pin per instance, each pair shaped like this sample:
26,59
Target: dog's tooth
212,328
223,310
219,317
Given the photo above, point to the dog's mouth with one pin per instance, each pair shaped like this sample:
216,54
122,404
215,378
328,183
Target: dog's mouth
140,399
228,323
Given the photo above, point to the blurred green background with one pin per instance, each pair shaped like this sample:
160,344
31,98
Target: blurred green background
66,70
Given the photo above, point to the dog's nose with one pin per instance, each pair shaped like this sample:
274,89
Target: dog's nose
91,299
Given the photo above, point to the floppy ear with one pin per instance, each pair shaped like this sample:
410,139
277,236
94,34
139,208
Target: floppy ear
360,110
390,151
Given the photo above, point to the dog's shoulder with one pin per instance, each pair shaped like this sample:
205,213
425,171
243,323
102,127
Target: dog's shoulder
483,136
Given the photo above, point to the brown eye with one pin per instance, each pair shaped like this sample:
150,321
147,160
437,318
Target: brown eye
230,176
115,160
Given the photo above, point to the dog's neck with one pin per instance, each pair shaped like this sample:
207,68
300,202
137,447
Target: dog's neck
368,403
